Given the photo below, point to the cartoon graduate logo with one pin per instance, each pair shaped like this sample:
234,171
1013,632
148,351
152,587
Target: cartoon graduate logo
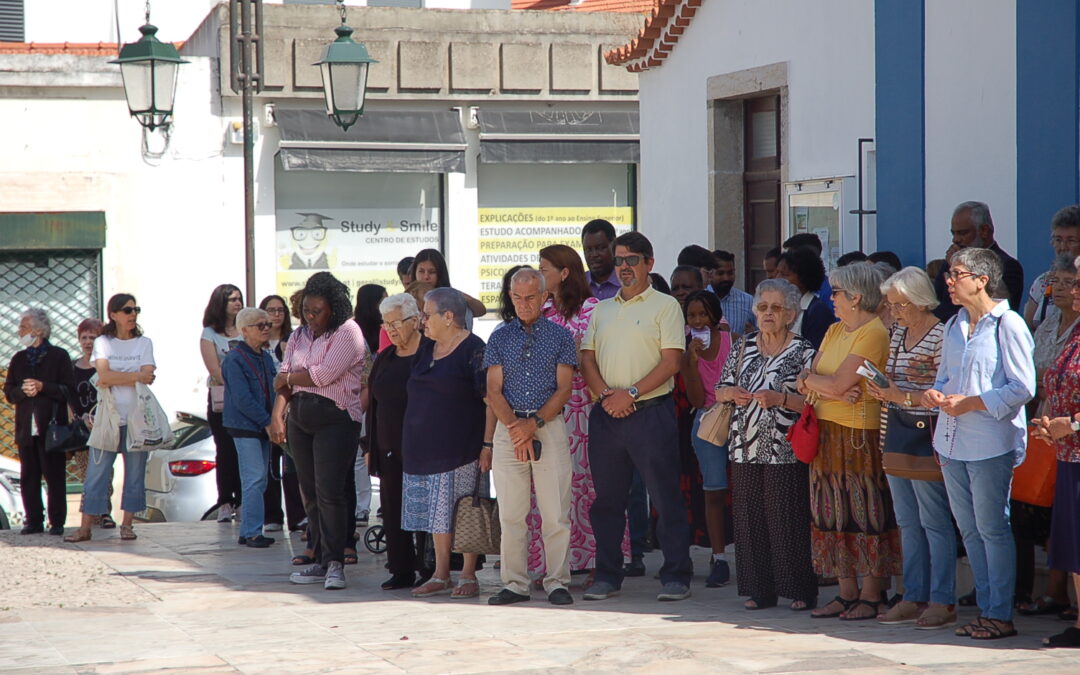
309,242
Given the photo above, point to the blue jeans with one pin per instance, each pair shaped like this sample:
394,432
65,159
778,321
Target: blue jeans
712,459
928,539
254,458
979,496
99,475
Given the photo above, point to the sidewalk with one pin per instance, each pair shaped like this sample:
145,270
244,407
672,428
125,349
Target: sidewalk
185,597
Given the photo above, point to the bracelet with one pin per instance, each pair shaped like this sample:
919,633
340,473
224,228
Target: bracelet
287,377
487,444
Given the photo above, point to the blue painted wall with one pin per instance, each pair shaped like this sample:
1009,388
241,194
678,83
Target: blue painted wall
900,128
1047,122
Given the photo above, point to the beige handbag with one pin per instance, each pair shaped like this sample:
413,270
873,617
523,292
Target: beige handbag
476,525
217,398
715,424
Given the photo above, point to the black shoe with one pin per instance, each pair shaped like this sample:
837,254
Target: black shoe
35,529
719,575
56,530
560,596
399,581
363,520
634,568
258,541
508,597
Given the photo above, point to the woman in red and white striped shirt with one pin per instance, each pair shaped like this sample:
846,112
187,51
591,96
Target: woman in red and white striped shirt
320,380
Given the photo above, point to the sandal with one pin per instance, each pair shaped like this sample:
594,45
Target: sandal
1070,637
460,592
107,522
1068,614
1043,605
432,586
303,559
967,629
993,629
935,617
803,605
127,533
845,604
350,558
760,603
875,606
78,535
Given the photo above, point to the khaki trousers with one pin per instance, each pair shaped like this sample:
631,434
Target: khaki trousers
551,477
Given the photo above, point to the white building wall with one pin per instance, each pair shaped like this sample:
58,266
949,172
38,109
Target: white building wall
970,115
829,47
95,20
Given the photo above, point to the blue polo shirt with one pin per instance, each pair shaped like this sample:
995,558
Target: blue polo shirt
530,357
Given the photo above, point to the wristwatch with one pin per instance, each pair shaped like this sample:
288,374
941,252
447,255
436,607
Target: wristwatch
907,400
634,393
1074,425
539,420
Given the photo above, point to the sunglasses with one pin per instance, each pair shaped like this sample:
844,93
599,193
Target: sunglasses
262,325
130,310
764,307
631,260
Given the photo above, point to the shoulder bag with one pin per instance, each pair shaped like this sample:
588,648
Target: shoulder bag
66,437
476,525
715,426
909,439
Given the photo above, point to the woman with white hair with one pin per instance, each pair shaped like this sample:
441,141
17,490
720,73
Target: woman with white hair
770,488
39,380
918,493
388,397
248,371
853,532
986,377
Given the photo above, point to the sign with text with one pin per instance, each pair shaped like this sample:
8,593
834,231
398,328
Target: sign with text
514,236
358,246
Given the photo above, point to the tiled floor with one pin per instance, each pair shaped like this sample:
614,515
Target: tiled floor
184,597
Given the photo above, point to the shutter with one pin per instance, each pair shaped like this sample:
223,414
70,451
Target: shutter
12,21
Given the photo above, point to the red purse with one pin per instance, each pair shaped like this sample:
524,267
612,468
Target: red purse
803,435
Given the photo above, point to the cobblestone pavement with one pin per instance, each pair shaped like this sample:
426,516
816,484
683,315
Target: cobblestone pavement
184,597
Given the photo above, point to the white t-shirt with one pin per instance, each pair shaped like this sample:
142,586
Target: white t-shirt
223,344
124,356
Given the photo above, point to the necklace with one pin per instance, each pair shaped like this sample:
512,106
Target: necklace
453,345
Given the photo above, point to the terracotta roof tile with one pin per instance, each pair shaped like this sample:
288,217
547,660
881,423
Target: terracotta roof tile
625,6
77,48
666,23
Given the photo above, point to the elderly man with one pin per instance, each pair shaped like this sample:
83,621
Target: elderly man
530,363
629,357
973,227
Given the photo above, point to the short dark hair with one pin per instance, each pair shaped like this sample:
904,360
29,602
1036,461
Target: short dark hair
658,282
404,265
326,286
709,300
851,257
724,256
887,257
698,256
214,315
636,242
1068,216
599,225
804,239
806,265
687,269
773,253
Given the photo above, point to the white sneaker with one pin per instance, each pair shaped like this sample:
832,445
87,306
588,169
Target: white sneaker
335,576
225,513
272,527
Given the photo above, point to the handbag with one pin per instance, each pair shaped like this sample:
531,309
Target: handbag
715,426
217,398
803,435
1033,481
66,437
476,525
909,446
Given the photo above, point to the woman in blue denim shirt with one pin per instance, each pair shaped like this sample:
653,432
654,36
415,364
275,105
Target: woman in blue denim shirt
985,378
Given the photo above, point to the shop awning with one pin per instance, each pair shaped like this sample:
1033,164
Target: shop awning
384,140
559,137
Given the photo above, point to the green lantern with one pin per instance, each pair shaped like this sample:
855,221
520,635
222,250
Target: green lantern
149,68
344,67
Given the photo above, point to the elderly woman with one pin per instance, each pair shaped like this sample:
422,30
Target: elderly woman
385,423
123,357
802,267
985,378
854,530
248,371
1060,426
39,381
770,489
918,493
320,379
444,430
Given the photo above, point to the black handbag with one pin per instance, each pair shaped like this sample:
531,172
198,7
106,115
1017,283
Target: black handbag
908,451
66,437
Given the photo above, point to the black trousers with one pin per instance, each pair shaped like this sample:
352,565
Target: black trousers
227,472
278,482
648,441
401,554
323,439
290,486
35,465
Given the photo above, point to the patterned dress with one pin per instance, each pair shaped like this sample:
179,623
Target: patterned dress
582,493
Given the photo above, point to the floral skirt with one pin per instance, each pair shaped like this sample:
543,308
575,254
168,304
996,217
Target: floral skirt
428,501
853,532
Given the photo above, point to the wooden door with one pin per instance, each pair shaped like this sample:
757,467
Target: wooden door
761,185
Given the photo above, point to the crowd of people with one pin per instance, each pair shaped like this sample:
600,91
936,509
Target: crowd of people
871,413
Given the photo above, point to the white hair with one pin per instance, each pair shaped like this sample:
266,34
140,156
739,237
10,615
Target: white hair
527,273
249,316
914,284
39,321
403,302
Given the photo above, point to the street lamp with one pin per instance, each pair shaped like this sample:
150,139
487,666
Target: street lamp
149,68
344,67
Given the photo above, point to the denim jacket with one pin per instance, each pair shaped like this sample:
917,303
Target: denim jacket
249,390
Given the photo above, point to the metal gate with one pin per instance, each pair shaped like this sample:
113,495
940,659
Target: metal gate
67,285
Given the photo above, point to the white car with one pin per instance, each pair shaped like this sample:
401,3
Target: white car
11,506
181,482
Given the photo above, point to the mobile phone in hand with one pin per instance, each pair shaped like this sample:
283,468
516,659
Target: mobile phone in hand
705,335
537,447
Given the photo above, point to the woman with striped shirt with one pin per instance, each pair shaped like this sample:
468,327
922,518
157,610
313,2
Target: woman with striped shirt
920,503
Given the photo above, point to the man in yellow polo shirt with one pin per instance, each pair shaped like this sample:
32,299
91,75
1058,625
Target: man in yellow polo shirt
629,357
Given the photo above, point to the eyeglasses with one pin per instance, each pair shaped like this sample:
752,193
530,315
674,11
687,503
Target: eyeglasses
130,310
262,325
526,349
275,310
836,292
397,325
957,275
1068,241
631,260
765,307
302,233
897,306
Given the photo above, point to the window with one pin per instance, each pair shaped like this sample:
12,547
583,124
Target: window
12,21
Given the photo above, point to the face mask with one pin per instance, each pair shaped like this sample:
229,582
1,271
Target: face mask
27,340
